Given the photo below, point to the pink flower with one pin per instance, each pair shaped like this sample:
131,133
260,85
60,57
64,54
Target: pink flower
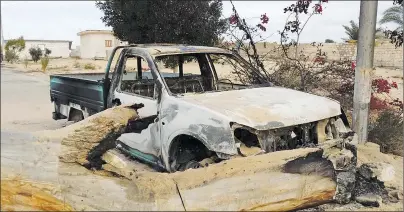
264,18
318,8
233,19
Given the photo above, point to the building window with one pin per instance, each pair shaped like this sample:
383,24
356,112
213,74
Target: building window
108,43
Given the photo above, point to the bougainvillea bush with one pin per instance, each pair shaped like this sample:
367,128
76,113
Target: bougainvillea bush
320,75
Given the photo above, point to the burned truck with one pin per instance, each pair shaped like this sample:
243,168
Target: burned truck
195,109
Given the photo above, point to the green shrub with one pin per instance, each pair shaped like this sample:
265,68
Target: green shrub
89,66
387,131
17,45
25,62
11,56
47,52
36,53
44,63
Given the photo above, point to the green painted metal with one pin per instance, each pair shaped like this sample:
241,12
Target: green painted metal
55,81
140,155
79,88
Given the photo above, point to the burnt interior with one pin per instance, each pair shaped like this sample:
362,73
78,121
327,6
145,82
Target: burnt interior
199,79
187,152
245,136
304,135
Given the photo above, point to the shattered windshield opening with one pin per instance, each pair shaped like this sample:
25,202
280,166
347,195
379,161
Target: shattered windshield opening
201,72
233,73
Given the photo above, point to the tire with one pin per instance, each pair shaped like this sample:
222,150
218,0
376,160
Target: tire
76,116
76,119
189,165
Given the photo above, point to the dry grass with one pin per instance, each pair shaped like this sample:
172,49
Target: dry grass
25,62
89,66
44,63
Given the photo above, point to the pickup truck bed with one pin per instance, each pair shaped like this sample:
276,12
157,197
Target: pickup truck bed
82,89
85,90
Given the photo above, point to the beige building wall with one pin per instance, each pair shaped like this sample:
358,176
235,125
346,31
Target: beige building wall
59,48
97,43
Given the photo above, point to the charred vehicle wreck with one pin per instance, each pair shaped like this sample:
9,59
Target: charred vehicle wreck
194,109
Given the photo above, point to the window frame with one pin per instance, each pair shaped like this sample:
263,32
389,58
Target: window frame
194,54
118,89
108,42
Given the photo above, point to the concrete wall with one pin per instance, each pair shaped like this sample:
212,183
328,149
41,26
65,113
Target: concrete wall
58,48
93,45
75,52
386,55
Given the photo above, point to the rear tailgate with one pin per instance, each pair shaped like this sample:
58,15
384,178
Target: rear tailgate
85,90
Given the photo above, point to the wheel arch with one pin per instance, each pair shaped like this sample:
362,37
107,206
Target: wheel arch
75,114
175,140
181,138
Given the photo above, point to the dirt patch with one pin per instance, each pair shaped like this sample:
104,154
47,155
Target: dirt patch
17,195
370,152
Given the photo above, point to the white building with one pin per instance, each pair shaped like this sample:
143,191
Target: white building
59,48
97,43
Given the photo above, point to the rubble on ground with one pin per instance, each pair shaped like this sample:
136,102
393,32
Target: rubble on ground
372,200
276,181
381,171
87,140
378,183
286,180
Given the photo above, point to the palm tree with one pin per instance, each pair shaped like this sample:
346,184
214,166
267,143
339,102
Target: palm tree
393,15
353,31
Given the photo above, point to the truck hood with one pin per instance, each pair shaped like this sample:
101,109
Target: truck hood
267,108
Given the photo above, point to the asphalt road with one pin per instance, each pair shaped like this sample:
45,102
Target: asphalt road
25,102
25,109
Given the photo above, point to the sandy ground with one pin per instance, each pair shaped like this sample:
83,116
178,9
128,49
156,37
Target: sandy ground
31,164
26,105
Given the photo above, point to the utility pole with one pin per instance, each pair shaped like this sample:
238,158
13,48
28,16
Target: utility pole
364,68
1,29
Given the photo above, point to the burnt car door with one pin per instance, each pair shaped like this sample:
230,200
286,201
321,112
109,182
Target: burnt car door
136,84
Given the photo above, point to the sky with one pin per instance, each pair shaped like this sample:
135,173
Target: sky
62,20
